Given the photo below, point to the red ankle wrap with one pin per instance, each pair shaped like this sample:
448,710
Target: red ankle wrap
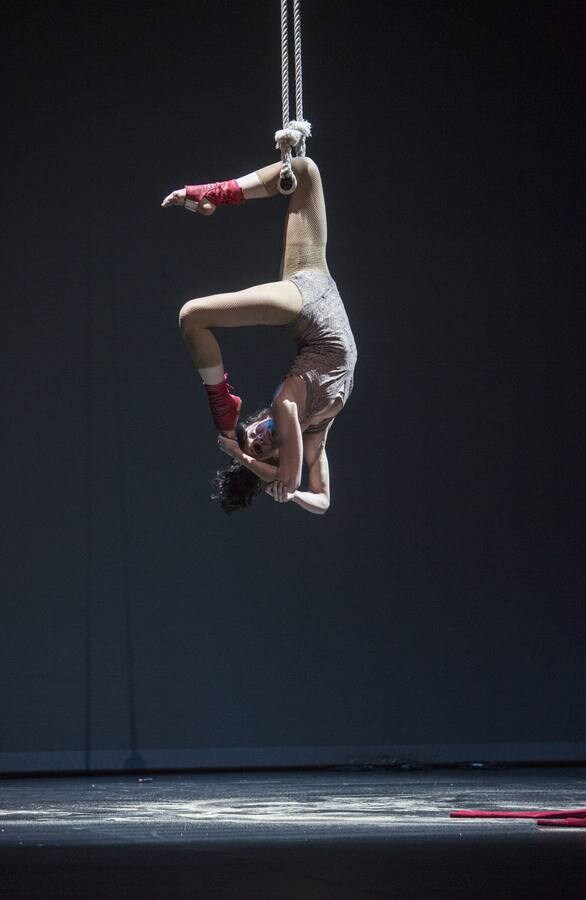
224,405
220,193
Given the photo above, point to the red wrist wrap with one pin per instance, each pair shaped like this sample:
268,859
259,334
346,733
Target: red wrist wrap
220,193
225,406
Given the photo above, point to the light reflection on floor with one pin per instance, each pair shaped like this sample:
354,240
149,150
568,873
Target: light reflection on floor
332,810
225,805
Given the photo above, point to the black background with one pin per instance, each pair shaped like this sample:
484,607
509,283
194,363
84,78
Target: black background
437,609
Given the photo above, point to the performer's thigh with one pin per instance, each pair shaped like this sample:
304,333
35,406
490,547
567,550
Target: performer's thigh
276,303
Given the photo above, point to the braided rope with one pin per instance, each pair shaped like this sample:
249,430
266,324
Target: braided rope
285,62
298,72
294,132
287,181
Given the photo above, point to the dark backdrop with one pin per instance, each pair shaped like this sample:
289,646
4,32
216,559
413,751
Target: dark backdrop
436,611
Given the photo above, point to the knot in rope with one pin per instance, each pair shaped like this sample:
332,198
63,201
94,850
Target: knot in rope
287,139
294,135
303,129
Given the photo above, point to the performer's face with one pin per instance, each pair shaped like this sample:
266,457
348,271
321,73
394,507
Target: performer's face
260,441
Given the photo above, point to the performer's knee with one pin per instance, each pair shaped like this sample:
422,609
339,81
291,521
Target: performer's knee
303,165
191,319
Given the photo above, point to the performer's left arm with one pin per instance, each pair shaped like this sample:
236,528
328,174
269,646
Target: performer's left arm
290,445
316,499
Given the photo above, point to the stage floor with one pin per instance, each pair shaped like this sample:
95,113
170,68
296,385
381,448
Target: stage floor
264,835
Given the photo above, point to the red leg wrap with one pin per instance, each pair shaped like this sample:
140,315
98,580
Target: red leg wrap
220,193
225,406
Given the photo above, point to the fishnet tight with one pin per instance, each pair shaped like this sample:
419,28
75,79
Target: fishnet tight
276,303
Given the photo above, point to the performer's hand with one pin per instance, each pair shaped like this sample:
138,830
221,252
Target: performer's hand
286,479
229,446
278,492
177,198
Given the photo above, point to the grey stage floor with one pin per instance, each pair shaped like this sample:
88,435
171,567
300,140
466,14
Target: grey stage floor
284,835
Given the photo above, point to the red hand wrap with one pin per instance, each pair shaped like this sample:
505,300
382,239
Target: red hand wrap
220,193
225,406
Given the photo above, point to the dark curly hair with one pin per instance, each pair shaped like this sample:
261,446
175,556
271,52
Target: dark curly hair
236,487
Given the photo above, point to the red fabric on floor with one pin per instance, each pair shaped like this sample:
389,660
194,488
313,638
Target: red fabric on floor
516,814
566,818
570,822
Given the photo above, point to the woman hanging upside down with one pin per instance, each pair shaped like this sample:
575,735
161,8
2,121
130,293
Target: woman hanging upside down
269,447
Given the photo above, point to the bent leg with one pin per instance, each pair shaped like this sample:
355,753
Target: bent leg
276,303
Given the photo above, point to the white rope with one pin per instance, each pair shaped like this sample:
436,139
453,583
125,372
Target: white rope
295,132
285,62
298,75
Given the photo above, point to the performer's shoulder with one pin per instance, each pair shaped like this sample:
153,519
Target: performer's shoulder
292,390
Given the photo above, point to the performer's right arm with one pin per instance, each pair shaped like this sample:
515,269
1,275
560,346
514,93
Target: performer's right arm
264,471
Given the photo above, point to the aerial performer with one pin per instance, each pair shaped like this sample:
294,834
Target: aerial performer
268,448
